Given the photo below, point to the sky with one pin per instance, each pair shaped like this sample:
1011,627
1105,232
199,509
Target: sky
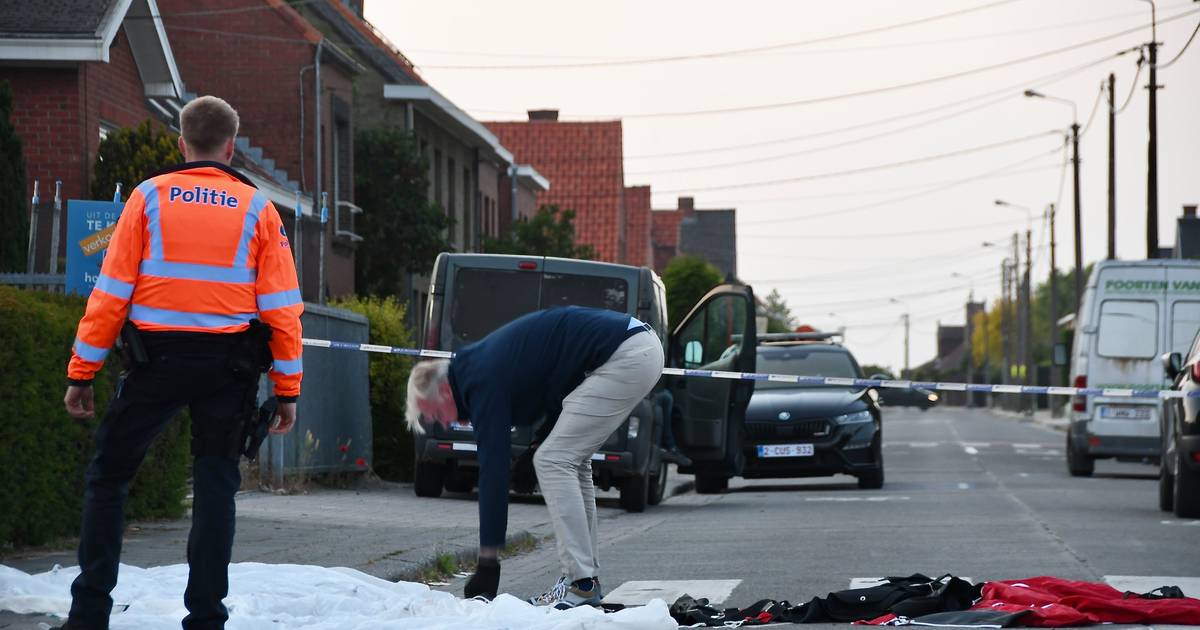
825,213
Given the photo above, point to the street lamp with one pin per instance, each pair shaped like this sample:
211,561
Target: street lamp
1075,169
906,319
1152,144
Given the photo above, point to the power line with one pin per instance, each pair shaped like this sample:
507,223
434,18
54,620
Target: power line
1183,50
872,168
902,296
859,235
1095,108
894,87
1141,62
725,53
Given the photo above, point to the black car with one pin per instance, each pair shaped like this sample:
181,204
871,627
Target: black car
799,430
1179,473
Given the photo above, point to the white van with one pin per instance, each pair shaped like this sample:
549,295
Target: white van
1132,313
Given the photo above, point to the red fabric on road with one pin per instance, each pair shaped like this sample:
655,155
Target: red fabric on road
1057,603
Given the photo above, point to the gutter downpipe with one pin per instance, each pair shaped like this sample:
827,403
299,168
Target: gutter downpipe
318,184
513,178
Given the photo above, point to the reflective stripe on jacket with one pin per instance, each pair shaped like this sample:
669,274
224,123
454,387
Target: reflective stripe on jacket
197,248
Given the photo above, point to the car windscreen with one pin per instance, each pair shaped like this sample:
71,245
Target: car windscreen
803,361
568,289
486,299
1185,321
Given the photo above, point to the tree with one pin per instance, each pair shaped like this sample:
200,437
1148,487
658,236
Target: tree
779,316
548,233
871,370
404,231
687,279
128,156
14,213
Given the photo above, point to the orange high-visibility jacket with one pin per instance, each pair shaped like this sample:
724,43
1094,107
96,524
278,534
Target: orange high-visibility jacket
197,248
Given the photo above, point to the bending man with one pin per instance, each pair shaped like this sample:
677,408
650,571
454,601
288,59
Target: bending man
586,367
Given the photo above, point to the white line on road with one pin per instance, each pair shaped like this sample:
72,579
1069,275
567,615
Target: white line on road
853,499
976,444
964,486
971,450
1021,446
1183,523
923,444
639,593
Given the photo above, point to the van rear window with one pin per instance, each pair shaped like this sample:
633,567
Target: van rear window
1185,321
486,299
1128,329
563,289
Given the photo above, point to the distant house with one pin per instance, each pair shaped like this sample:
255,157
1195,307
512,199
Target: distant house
585,162
1187,235
686,230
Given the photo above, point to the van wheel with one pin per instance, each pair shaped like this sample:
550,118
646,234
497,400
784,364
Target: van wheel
635,492
1166,489
1078,464
428,478
709,483
658,484
1187,488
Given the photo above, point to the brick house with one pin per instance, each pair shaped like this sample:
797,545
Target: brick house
469,169
639,248
584,160
81,69
687,230
269,68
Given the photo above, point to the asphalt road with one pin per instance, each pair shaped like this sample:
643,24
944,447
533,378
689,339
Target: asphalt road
967,492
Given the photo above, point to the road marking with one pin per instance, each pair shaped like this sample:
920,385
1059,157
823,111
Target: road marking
1147,583
964,486
1021,446
1183,523
639,593
853,499
923,444
976,444
971,450
1022,474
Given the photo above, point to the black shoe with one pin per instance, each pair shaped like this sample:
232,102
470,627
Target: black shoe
677,456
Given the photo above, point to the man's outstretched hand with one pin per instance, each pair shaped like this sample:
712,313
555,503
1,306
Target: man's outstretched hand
485,581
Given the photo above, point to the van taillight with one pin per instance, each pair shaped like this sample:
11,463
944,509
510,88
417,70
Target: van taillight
1080,402
1196,372
526,264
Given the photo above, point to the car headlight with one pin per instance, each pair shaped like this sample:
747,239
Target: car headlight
851,418
933,397
633,427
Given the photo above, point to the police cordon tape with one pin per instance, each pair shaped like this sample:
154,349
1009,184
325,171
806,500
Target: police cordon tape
1029,390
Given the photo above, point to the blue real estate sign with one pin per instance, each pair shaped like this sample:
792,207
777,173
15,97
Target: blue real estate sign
90,226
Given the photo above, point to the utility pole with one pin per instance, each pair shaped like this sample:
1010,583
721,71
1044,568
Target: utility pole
1152,149
1112,167
1005,321
1078,217
907,374
1027,336
1053,303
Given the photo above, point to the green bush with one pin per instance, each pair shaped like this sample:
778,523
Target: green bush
45,450
393,444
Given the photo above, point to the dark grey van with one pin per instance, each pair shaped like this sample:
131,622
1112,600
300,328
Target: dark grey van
473,294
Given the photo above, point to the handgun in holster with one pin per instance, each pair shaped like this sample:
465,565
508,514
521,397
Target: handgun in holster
131,347
249,358
256,430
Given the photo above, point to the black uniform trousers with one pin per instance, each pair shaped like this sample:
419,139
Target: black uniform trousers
184,369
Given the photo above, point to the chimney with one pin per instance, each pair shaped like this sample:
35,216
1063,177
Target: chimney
546,115
687,204
1189,211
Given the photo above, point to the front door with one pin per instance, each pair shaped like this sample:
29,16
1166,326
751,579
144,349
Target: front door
718,335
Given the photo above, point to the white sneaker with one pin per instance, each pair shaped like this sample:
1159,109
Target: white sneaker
552,596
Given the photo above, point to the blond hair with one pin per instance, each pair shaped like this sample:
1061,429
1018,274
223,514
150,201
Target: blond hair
424,383
208,123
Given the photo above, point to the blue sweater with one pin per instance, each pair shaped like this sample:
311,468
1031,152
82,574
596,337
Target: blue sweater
522,370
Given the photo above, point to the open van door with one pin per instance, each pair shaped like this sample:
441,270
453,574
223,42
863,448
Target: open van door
718,334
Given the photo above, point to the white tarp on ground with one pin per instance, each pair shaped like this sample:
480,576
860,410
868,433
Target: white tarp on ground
274,596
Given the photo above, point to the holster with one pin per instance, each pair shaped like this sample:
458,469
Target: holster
131,347
249,358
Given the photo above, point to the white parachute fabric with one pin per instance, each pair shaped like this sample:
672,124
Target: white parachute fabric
273,596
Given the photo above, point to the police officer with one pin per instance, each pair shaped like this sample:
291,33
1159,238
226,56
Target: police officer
197,255
588,368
